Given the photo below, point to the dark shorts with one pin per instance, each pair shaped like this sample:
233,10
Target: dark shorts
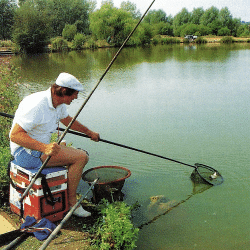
28,160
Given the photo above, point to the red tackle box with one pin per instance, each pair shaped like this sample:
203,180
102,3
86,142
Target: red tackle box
37,203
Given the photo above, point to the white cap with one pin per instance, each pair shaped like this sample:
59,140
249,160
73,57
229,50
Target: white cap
69,81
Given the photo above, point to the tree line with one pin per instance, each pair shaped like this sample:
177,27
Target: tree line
32,24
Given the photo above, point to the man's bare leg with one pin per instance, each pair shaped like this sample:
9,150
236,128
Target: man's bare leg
76,160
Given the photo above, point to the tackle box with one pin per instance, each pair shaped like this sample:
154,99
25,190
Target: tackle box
47,197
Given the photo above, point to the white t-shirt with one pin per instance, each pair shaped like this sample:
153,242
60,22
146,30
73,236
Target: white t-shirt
37,116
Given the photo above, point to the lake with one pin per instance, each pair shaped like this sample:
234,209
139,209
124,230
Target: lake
188,103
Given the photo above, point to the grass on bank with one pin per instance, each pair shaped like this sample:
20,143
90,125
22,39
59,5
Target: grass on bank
80,42
8,103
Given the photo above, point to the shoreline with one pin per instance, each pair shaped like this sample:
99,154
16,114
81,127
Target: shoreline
9,51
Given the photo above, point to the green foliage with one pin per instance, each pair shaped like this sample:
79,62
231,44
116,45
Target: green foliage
164,40
144,34
115,230
224,32
59,44
9,98
131,8
7,11
31,28
189,29
196,15
156,16
162,28
79,40
6,43
8,104
4,160
227,39
36,21
69,32
110,22
68,12
200,40
243,31
90,43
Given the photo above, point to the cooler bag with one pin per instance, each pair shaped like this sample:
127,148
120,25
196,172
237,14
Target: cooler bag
47,198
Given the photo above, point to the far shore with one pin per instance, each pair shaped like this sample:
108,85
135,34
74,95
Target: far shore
104,44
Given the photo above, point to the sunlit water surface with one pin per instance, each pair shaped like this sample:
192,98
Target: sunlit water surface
184,102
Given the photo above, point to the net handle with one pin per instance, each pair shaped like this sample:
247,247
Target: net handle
135,149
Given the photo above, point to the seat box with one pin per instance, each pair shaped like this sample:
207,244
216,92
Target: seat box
35,203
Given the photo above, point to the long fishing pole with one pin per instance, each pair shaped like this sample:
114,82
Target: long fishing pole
114,143
208,174
84,103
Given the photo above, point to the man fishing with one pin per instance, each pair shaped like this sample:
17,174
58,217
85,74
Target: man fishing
37,117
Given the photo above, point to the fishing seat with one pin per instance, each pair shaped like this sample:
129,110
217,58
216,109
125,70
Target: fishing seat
47,198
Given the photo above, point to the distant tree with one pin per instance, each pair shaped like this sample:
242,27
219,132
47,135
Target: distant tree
243,30
163,29
156,16
236,25
209,16
92,5
131,8
226,18
180,19
225,31
71,12
189,29
31,29
196,15
111,23
7,11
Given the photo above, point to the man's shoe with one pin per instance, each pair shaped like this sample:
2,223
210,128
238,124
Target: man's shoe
80,212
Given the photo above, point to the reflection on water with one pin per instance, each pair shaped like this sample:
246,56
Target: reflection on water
186,103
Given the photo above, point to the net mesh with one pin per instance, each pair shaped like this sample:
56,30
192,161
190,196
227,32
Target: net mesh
106,174
207,174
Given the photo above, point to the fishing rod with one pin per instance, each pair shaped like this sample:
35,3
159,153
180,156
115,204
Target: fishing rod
84,103
208,174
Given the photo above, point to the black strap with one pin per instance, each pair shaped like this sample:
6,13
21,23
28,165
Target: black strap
47,192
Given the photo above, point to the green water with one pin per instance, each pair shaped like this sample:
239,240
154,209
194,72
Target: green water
184,102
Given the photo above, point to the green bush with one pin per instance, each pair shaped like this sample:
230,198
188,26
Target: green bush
31,28
200,40
170,40
115,230
224,32
90,43
4,160
156,40
69,32
9,98
8,104
59,44
227,39
79,40
6,43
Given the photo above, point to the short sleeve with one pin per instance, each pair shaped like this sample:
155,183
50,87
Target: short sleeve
27,117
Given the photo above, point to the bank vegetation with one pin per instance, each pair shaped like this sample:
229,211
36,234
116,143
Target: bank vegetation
59,25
